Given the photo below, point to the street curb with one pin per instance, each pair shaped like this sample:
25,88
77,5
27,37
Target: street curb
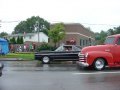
13,59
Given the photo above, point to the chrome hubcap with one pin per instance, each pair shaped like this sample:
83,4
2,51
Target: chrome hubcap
45,59
99,64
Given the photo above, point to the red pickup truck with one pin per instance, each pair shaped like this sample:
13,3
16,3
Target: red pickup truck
101,56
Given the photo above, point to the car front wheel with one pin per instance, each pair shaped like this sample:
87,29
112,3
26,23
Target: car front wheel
45,60
99,64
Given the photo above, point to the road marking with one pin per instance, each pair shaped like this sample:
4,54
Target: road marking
90,73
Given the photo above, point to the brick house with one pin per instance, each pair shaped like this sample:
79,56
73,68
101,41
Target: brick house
77,34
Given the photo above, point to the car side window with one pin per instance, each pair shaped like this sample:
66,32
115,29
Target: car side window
118,41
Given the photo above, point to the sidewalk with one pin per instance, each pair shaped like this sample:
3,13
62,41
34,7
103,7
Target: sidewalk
12,59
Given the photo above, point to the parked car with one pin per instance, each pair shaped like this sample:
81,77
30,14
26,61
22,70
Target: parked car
100,56
1,67
62,53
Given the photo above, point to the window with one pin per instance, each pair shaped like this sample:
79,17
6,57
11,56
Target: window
80,42
118,42
86,42
90,41
83,42
109,40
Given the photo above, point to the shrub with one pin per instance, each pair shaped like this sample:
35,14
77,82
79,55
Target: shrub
45,46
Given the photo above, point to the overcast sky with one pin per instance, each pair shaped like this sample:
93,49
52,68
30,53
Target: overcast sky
96,14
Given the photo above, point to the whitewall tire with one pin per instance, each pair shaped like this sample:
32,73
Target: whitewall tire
99,64
45,60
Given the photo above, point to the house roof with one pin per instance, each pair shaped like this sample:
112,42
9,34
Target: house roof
77,28
15,35
27,34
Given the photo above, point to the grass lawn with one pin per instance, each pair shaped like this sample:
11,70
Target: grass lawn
24,56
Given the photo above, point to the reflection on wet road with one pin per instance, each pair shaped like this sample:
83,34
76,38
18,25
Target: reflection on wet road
36,66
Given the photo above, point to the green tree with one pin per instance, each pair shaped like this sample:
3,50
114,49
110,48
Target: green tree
117,30
18,40
110,32
2,34
12,40
45,46
21,40
29,25
100,37
57,33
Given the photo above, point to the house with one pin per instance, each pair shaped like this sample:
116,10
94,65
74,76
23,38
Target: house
77,34
30,37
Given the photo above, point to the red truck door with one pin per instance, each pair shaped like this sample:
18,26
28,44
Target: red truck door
117,52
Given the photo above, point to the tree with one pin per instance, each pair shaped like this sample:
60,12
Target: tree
117,30
57,33
110,32
100,37
18,40
12,40
28,26
21,40
2,34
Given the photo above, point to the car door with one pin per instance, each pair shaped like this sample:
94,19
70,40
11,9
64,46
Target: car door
117,52
62,53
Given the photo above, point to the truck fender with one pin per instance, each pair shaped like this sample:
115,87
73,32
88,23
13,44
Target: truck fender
92,56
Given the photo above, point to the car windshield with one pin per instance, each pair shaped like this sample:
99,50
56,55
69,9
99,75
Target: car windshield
109,40
61,48
64,48
67,48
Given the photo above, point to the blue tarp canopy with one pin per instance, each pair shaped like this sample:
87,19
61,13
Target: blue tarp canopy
2,39
4,46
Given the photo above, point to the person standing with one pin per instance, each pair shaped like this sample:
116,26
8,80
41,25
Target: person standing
25,48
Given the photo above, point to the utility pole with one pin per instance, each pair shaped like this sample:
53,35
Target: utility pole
38,29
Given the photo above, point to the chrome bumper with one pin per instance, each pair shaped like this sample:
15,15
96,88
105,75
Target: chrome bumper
83,64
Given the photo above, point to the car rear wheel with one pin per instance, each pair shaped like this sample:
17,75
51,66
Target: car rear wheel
99,64
45,60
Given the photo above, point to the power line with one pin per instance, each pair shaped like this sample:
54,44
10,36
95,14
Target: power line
9,21
101,24
80,23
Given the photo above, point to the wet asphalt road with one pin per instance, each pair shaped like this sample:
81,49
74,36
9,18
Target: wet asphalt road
34,76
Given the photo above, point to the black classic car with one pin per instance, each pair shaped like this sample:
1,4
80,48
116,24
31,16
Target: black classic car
62,53
1,67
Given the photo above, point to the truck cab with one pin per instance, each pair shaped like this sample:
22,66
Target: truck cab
100,56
